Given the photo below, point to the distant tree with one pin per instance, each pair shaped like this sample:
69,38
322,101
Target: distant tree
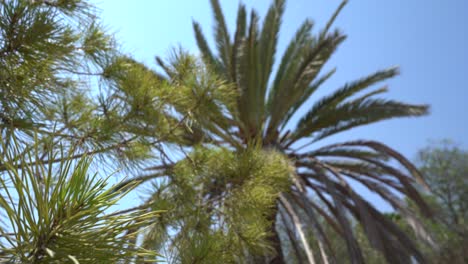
445,167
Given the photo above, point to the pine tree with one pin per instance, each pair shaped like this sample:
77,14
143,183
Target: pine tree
71,104
53,57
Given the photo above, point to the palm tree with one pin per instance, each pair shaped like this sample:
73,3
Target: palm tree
262,115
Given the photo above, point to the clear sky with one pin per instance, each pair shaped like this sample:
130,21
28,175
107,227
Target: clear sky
427,38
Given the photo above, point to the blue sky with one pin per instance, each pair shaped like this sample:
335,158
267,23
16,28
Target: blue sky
427,39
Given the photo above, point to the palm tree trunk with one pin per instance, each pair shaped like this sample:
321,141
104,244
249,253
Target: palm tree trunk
275,257
275,240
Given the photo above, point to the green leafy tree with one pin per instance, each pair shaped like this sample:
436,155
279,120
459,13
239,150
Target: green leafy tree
444,166
258,118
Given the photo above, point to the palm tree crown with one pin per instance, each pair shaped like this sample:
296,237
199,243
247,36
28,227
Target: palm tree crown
266,104
320,191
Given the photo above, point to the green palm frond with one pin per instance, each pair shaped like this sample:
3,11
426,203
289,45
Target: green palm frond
250,110
223,42
268,42
333,18
307,93
339,96
290,61
356,113
241,24
205,50
295,87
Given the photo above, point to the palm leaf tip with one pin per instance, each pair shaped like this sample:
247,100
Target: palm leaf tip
418,110
204,48
222,37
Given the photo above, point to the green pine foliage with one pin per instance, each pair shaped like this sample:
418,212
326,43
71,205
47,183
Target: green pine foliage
59,213
39,53
64,79
54,56
219,204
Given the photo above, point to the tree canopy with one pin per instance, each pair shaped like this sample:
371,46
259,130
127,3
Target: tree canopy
445,167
